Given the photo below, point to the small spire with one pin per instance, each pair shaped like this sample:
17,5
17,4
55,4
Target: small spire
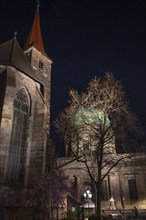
38,4
35,35
15,33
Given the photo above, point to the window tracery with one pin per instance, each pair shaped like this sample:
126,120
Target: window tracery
16,154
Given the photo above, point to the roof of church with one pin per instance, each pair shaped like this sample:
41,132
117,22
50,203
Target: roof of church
12,54
35,35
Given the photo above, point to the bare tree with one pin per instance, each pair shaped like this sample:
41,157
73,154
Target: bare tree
93,123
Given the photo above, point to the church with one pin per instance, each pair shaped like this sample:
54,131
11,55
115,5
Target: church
25,91
25,88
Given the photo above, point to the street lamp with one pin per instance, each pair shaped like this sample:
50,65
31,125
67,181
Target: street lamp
87,195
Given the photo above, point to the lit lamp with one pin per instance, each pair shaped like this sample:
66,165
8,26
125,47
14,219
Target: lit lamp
87,195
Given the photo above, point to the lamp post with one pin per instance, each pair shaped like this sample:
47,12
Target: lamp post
87,195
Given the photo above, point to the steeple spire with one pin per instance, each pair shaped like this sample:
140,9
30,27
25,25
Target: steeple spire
35,35
38,4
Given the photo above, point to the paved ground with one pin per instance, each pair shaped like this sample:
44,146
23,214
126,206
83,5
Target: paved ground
141,217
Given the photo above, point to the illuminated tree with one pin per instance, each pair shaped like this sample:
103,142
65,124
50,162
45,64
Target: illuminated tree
94,124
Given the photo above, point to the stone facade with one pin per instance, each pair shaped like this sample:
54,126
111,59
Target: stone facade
92,159
25,90
38,115
126,183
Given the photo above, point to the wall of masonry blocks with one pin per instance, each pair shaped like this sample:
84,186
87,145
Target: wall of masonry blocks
118,177
35,139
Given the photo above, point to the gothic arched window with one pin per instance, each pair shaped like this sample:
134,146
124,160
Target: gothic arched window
16,154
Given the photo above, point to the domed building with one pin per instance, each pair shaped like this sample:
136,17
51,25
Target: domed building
82,126
123,175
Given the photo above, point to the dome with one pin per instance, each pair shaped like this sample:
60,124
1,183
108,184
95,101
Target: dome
91,116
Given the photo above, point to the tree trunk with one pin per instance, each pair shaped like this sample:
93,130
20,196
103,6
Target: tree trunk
98,201
98,189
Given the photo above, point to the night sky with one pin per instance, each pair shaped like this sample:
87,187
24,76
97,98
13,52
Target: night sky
86,39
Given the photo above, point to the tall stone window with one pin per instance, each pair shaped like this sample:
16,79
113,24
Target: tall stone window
132,189
16,153
3,79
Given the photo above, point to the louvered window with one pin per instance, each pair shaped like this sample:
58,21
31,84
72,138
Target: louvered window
41,65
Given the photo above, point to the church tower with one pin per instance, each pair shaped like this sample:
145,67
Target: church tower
39,60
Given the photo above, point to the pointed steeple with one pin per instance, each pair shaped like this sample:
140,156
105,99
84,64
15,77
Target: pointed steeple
35,35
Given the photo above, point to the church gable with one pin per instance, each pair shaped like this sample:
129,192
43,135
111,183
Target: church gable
12,54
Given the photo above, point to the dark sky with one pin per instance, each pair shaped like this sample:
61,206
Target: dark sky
84,39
